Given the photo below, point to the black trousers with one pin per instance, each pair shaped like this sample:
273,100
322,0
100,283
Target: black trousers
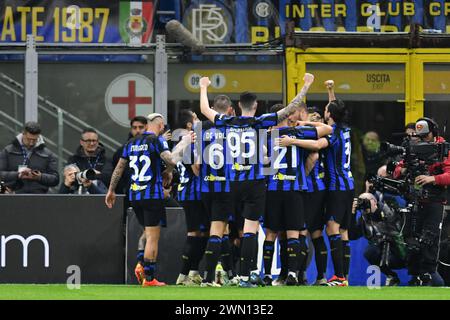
428,223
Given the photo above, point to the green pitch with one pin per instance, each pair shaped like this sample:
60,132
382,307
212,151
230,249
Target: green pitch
123,292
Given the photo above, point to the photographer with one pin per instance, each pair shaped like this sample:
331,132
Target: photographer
91,154
424,233
75,183
382,226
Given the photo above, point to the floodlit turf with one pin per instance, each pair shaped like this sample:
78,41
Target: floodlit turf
122,292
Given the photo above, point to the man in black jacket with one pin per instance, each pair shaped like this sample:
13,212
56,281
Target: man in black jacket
92,155
27,165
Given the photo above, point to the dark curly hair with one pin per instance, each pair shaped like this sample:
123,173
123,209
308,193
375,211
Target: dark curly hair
339,112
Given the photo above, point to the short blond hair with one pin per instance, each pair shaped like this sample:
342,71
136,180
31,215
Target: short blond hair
153,116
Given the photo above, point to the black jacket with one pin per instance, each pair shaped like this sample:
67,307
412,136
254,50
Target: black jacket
41,159
98,162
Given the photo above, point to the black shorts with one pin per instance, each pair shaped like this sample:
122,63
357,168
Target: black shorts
284,211
218,205
150,212
249,199
196,217
339,207
315,210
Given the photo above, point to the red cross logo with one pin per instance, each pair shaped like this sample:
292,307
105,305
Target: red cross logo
131,100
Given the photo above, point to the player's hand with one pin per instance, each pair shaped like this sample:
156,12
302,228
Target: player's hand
329,84
167,135
423,180
110,199
204,82
189,138
167,192
167,178
308,78
284,141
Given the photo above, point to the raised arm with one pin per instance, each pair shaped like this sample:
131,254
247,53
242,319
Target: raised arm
110,198
286,112
204,102
330,87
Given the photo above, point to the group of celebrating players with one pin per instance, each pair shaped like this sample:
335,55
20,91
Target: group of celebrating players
288,169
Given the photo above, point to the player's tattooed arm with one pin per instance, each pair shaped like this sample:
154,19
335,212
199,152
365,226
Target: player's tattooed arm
330,87
110,197
117,174
295,103
172,158
204,103
310,162
168,159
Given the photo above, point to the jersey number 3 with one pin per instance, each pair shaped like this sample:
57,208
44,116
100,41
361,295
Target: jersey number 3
348,151
140,173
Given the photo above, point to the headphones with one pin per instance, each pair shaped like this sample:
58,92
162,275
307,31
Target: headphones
434,127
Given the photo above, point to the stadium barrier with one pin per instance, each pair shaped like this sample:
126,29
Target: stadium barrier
59,238
49,238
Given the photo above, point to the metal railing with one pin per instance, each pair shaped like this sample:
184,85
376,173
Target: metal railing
62,116
19,124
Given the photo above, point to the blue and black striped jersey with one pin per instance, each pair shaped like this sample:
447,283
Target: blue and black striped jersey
316,178
143,155
189,185
245,149
213,169
287,163
337,160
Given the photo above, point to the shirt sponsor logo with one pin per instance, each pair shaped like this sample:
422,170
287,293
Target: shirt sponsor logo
213,178
282,177
135,187
240,167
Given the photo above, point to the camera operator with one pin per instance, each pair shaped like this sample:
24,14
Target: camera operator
424,237
382,227
75,183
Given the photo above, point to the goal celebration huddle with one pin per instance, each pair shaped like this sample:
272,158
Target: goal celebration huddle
287,171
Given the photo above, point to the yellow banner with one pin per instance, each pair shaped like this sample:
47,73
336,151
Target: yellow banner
236,81
360,81
346,82
437,82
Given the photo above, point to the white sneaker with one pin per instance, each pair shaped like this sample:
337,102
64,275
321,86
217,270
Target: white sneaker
235,281
195,278
210,284
181,280
280,281
392,281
